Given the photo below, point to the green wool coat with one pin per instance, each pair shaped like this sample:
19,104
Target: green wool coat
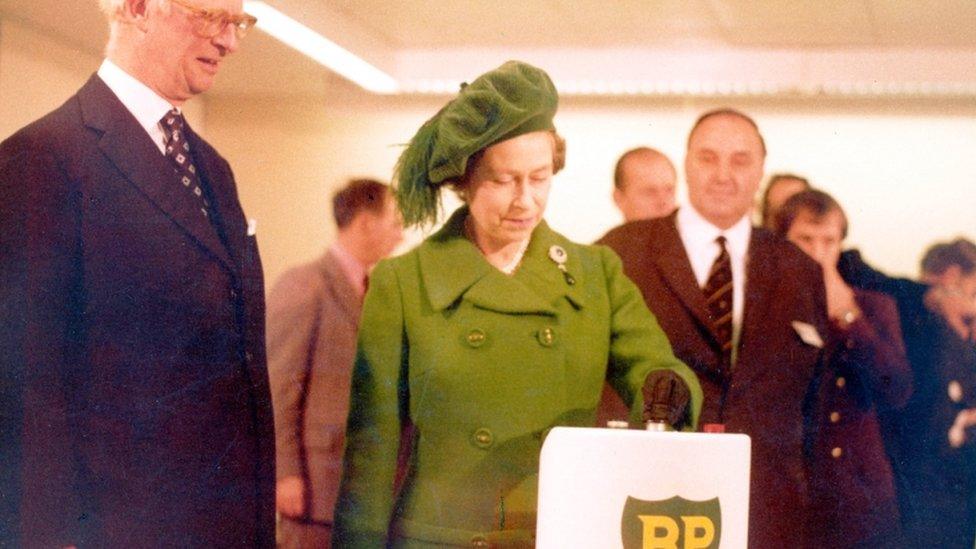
483,364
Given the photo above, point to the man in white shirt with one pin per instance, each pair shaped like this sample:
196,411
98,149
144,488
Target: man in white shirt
313,320
741,306
136,409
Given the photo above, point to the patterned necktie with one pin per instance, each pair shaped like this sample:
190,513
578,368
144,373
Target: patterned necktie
718,298
178,151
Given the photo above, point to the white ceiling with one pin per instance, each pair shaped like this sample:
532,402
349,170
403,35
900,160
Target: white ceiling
671,47
667,23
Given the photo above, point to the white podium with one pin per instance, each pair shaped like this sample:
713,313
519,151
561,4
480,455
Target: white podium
630,489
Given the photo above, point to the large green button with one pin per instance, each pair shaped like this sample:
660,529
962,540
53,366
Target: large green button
546,337
483,438
476,338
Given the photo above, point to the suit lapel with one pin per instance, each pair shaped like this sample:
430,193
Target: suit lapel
224,198
130,149
671,260
761,267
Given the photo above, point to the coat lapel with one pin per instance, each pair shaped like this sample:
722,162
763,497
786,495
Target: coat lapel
346,296
126,145
541,273
671,260
453,269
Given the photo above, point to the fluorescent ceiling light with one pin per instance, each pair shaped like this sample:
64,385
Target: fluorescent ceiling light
320,48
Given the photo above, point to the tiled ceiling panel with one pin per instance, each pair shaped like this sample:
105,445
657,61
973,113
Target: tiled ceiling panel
795,23
907,23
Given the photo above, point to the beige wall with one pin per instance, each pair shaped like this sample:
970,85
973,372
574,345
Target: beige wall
38,72
289,155
905,171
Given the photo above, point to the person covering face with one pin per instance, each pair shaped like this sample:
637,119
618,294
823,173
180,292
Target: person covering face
139,413
490,333
866,375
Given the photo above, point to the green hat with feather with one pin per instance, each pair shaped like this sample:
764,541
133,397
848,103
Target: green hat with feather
514,99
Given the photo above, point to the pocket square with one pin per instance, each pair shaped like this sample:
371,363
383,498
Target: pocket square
252,226
808,333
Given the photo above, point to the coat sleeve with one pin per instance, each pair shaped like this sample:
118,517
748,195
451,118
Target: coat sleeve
40,345
378,404
638,345
293,320
875,348
909,294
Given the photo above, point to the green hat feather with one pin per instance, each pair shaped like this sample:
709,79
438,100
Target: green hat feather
514,99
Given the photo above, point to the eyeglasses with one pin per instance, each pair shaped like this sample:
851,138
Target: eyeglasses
213,22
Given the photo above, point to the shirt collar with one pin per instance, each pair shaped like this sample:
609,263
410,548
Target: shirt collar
696,231
146,106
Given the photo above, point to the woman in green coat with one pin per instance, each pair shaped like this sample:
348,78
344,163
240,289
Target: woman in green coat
487,335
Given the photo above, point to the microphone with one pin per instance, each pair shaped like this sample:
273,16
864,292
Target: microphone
666,399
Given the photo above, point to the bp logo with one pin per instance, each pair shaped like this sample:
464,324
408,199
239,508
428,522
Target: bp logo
675,523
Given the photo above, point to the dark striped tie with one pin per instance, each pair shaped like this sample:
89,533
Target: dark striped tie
718,297
178,151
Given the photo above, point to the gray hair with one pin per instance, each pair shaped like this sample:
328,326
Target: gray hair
113,8
114,11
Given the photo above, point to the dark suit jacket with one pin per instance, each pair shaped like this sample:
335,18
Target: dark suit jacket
853,489
767,392
133,354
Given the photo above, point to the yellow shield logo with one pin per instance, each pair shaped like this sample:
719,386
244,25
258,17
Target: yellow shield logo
675,523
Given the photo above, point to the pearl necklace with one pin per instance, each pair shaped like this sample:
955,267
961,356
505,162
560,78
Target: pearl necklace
509,267
514,263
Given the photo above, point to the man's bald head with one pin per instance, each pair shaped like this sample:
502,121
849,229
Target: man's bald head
644,184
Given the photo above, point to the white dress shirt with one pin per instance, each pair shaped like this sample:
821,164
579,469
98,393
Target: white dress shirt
699,238
146,106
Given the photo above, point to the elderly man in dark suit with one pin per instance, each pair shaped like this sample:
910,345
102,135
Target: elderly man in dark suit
313,319
744,308
139,412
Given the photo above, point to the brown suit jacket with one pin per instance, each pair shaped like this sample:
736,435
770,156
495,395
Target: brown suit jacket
767,394
136,409
313,318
